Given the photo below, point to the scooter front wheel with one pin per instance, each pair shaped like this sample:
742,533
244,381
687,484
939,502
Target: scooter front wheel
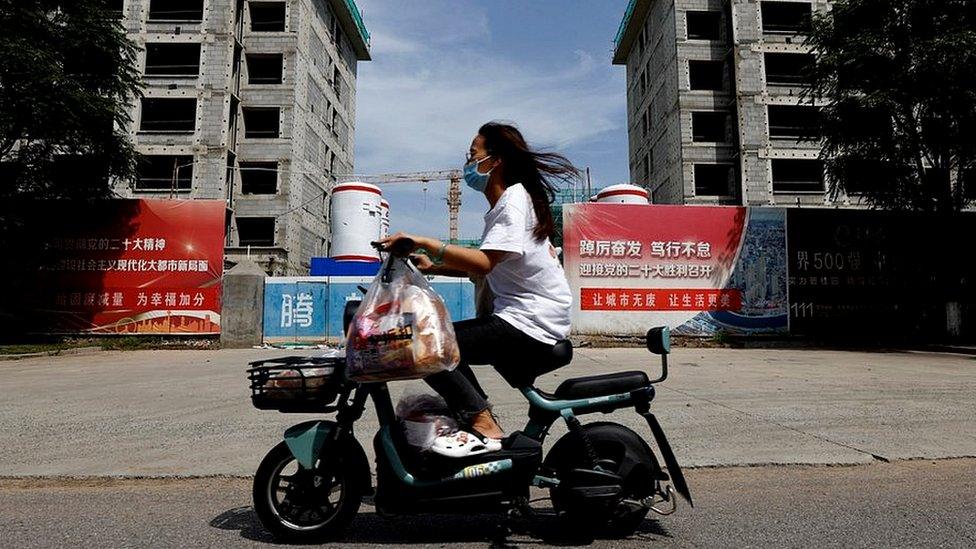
305,505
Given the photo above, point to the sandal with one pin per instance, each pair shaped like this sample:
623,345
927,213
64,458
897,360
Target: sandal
463,444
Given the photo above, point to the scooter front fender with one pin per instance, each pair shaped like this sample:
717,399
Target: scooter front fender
305,440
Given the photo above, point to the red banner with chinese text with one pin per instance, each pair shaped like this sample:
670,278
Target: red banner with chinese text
634,266
641,299
136,266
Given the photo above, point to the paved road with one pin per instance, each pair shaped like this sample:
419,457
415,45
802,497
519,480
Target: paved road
187,413
909,504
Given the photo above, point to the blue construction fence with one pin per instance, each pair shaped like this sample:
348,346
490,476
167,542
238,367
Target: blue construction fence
309,309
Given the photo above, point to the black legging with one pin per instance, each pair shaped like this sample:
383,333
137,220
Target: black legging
483,340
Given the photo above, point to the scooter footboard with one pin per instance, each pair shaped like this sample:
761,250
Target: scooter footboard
410,482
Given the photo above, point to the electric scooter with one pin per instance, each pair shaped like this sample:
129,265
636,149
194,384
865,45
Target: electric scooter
601,476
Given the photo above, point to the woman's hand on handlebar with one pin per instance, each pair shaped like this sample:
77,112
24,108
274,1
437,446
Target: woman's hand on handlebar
402,243
452,260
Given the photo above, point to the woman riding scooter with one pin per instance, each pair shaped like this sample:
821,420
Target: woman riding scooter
532,297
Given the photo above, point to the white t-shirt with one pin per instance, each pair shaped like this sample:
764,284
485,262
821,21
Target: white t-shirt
530,287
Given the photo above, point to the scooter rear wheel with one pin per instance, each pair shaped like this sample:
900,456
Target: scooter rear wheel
618,450
302,505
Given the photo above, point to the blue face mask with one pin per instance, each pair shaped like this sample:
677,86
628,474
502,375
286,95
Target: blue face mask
475,179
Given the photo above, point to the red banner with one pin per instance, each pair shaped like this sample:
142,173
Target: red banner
643,299
138,266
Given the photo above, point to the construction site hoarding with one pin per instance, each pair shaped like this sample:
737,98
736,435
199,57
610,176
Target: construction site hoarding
310,309
877,274
699,270
134,267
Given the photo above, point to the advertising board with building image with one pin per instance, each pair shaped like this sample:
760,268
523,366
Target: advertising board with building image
699,270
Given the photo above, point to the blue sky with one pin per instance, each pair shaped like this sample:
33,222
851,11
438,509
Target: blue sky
440,68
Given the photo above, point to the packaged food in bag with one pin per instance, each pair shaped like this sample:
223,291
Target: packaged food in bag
402,329
294,379
424,417
292,383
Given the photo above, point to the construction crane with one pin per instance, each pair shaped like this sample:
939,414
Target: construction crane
453,177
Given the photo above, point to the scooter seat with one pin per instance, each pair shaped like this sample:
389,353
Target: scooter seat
524,374
602,385
561,354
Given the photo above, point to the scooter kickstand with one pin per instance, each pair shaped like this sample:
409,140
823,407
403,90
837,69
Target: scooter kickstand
651,502
667,497
515,521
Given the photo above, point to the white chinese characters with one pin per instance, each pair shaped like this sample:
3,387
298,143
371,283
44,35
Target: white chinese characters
673,249
296,310
609,248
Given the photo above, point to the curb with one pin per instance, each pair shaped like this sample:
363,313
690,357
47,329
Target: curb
57,352
953,349
108,480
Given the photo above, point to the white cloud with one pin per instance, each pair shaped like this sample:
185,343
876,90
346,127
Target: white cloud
435,79
422,116
387,44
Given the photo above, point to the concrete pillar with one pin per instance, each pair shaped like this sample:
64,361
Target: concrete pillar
242,307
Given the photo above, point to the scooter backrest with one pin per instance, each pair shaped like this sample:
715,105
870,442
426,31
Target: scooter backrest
659,340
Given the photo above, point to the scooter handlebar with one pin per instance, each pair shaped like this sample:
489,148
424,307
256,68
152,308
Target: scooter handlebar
400,248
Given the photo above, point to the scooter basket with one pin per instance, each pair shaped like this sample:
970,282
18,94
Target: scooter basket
296,384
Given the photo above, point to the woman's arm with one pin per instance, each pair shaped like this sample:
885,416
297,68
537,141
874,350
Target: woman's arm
426,266
452,257
468,260
440,270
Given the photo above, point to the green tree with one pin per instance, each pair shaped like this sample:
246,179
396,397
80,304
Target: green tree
67,72
899,81
67,75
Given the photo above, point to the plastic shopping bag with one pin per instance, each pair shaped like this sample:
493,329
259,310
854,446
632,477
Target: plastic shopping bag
424,417
402,330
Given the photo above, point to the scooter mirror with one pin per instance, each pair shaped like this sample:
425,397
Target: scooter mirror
659,340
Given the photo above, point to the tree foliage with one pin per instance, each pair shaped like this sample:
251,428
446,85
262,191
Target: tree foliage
67,72
67,75
899,81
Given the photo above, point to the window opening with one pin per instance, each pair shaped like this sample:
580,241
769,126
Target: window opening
172,59
256,231
259,177
261,122
798,175
704,25
713,179
264,68
168,115
156,172
267,16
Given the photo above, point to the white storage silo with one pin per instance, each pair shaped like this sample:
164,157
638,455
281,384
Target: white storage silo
384,218
623,194
356,221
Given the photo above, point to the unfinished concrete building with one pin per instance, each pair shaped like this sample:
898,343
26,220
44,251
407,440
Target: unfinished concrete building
251,102
715,114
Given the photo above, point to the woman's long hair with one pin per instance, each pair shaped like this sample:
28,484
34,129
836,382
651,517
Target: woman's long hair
535,170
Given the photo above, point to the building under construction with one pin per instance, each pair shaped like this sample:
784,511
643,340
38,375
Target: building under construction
715,114
252,102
